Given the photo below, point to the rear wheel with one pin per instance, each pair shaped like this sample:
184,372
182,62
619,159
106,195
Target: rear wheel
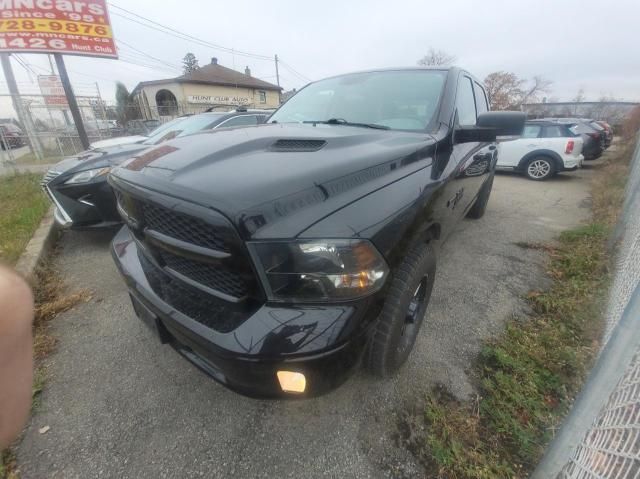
540,168
403,312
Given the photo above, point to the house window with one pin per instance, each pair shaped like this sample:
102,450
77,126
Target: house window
263,96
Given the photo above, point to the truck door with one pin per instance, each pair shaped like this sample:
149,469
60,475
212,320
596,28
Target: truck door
473,160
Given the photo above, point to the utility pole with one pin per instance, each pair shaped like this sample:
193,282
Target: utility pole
71,99
278,77
23,117
53,71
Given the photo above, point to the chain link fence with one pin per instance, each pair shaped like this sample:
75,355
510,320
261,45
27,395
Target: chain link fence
44,131
601,436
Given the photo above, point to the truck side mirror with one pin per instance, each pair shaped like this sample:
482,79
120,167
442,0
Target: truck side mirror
491,125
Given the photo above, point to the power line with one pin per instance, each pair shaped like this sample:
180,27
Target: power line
184,36
129,58
290,68
136,62
147,55
24,65
190,38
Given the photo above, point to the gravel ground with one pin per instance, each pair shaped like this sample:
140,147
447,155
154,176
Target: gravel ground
119,404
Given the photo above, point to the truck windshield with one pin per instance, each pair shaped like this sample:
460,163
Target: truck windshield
399,100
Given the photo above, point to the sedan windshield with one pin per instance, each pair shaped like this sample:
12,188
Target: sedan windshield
165,126
185,126
398,100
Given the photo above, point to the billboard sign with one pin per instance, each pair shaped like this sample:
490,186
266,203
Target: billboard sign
52,91
56,26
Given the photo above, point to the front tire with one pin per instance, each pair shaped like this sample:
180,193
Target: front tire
404,309
540,168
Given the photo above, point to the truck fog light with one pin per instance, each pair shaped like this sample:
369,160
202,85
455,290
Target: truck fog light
292,382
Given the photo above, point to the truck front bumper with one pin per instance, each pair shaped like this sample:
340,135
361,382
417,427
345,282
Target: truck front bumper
322,342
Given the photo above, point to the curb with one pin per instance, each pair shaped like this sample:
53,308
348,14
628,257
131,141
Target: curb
38,246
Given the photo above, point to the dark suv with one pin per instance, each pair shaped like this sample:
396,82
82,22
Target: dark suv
593,138
274,258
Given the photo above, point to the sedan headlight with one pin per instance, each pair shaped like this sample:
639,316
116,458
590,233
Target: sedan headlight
319,270
86,176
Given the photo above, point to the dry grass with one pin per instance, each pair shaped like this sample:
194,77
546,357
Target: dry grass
608,186
8,465
530,374
52,297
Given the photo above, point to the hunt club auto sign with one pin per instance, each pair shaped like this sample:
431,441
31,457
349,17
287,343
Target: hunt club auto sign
56,26
218,100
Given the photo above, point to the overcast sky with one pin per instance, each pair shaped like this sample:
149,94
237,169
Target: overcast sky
574,43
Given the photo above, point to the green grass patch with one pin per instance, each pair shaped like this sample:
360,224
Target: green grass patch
49,156
23,206
529,375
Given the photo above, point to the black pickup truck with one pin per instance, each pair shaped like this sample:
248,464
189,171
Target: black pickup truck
277,257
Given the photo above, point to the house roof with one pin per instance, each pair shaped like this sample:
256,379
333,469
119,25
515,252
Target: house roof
215,74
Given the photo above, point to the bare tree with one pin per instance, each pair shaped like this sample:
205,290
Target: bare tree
436,58
605,108
579,98
532,91
507,91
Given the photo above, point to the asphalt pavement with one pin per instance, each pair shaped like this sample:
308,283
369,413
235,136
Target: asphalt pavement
119,404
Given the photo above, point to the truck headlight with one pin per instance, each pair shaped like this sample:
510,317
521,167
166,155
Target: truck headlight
319,270
86,176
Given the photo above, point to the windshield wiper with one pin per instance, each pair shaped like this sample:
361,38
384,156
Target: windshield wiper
342,121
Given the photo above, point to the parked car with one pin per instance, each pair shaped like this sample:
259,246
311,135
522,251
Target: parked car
78,185
600,129
274,257
608,132
545,148
107,127
11,136
126,140
593,140
141,127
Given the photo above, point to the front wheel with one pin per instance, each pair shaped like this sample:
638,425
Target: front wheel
403,311
540,168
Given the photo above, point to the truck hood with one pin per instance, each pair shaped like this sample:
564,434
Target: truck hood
276,180
97,158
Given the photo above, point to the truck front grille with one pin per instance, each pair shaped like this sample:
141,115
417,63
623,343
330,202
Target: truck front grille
208,310
183,227
216,277
194,259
